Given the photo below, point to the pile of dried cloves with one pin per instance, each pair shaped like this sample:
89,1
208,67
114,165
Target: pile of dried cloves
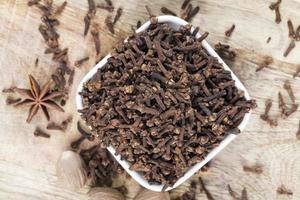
163,102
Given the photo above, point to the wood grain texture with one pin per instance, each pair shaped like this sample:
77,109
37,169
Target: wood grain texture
27,163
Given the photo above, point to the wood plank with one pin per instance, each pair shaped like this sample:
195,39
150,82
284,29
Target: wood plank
27,164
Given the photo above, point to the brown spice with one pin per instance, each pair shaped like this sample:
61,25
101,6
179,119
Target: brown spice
118,15
96,39
192,13
37,98
287,86
60,8
266,117
257,169
232,193
9,90
298,33
79,62
184,4
224,51
40,133
275,6
229,32
298,132
282,105
265,63
11,100
283,190
36,62
84,133
297,73
244,194
269,40
62,126
162,99
292,33
167,11
109,24
291,46
206,191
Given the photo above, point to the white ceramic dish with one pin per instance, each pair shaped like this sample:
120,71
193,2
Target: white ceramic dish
175,23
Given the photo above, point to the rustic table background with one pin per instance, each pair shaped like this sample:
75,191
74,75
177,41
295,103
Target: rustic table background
27,163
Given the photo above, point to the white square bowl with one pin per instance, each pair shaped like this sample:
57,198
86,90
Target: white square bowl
175,23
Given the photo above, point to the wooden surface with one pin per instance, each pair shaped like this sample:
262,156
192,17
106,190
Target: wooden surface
27,163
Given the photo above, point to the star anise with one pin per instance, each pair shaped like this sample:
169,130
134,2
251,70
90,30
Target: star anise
36,98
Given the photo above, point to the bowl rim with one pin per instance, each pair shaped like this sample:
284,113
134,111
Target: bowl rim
192,170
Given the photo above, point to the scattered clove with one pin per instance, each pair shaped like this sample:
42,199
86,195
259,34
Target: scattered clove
283,190
79,62
9,90
297,73
224,51
84,133
192,13
275,6
36,62
269,40
229,32
287,86
292,33
40,133
257,169
265,63
96,39
167,11
244,194
10,100
282,105
298,132
184,4
266,117
75,144
203,187
62,126
232,193
291,46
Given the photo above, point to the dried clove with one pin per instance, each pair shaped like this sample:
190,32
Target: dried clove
206,191
192,13
232,193
244,194
36,62
109,24
283,190
167,11
138,98
224,51
118,15
79,62
75,144
265,63
84,133
281,104
40,133
9,90
184,4
62,126
292,33
277,15
60,8
96,39
297,73
269,40
291,46
266,117
229,32
257,169
298,132
10,100
287,86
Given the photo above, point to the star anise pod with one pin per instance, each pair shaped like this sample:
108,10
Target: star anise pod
36,98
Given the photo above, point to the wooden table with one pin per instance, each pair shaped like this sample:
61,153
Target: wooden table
27,163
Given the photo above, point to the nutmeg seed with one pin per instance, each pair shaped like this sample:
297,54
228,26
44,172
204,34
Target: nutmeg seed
71,169
150,195
105,194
